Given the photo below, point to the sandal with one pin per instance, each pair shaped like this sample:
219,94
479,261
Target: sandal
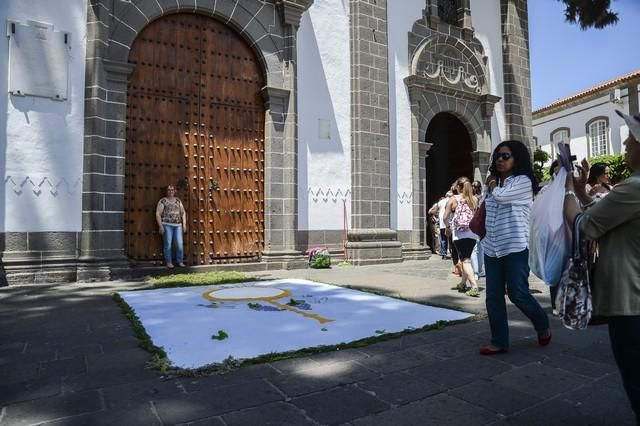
462,287
474,292
490,350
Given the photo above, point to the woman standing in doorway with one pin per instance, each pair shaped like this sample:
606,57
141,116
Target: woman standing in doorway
510,188
172,222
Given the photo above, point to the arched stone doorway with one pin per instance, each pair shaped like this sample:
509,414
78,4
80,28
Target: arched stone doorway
450,157
195,119
450,154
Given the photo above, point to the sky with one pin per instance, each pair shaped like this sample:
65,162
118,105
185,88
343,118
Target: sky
566,60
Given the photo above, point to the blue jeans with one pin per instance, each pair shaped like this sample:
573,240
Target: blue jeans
510,271
443,242
172,234
624,334
477,259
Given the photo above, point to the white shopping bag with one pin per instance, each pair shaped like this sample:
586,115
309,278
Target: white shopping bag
549,239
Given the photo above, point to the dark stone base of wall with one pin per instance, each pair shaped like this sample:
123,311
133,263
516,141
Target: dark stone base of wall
374,246
365,247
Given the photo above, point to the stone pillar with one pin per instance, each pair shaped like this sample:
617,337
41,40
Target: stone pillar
370,240
517,77
464,19
417,250
102,245
281,159
634,97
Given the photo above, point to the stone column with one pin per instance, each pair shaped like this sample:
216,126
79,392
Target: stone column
517,77
634,101
281,159
371,240
102,238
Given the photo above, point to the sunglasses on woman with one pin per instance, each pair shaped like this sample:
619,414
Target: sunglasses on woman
504,156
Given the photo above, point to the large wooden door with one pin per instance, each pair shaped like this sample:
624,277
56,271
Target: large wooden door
195,119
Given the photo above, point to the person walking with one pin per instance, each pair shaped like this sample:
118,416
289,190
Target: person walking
615,223
511,185
457,266
477,257
462,207
172,223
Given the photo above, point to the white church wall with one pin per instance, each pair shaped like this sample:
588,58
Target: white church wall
324,116
485,16
41,140
401,17
576,117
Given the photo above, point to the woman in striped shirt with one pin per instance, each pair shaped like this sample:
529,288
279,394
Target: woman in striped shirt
510,189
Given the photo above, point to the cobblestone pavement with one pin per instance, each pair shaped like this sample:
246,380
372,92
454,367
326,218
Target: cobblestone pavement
69,357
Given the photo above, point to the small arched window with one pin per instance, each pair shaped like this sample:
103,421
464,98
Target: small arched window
598,134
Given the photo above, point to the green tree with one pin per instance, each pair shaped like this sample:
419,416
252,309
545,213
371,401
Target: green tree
540,157
590,13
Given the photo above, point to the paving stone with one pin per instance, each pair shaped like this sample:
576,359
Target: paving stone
454,348
339,356
275,414
439,410
399,388
128,358
46,409
540,380
79,350
33,389
580,366
211,421
596,352
105,378
18,372
8,359
495,398
460,371
320,378
339,405
243,375
551,413
606,408
214,402
65,367
133,394
295,364
400,360
131,416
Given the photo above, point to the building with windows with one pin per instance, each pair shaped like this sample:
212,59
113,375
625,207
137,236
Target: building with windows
587,120
278,121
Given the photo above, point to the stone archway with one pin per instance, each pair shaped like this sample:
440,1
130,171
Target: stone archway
448,75
450,156
269,28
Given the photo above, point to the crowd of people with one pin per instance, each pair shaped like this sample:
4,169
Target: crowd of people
606,214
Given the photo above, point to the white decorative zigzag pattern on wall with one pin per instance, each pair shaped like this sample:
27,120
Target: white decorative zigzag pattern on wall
405,197
39,186
326,195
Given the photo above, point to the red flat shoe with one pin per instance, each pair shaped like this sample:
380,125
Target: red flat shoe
490,351
544,341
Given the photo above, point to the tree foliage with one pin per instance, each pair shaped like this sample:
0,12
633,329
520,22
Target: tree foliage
540,157
590,13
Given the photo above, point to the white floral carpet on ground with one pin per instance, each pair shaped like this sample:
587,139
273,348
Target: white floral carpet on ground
269,316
